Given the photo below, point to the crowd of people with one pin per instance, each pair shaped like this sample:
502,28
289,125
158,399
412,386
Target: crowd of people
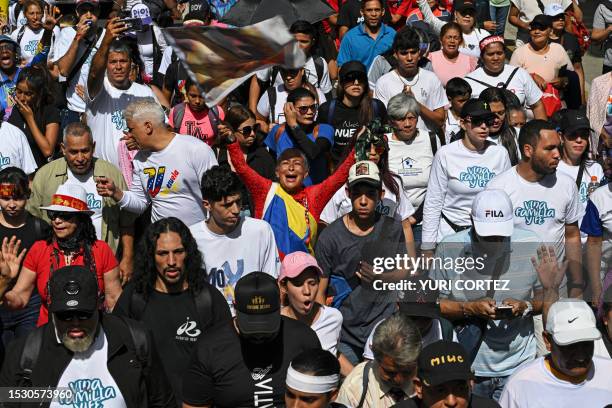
419,216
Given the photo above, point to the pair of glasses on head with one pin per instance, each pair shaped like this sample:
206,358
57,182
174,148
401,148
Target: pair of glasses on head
304,109
246,131
69,316
478,121
62,215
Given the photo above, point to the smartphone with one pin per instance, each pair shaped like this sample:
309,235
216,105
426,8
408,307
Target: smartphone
132,24
503,311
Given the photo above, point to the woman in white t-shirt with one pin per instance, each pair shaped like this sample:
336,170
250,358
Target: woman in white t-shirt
299,283
461,170
35,36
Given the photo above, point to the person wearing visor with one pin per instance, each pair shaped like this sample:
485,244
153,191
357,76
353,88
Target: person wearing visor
94,355
444,379
249,357
500,252
494,72
459,171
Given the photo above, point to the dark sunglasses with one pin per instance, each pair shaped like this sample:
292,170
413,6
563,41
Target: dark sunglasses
246,131
379,149
66,216
289,72
71,315
539,27
477,122
576,135
304,109
351,77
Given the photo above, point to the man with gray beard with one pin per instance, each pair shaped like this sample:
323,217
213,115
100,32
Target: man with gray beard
95,358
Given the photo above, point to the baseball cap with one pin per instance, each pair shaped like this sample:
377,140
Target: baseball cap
464,5
476,108
553,9
352,67
492,214
572,121
73,288
297,262
6,38
257,300
364,171
420,302
571,321
94,3
542,21
443,361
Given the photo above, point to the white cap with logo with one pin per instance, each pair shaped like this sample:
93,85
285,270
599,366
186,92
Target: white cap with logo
364,172
492,214
571,321
553,9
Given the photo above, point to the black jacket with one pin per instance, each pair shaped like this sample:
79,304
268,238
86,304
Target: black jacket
138,389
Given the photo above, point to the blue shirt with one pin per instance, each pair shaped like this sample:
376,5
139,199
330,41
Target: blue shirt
357,45
318,167
7,85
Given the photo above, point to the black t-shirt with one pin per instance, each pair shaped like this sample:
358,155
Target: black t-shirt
571,45
50,114
228,372
172,317
475,402
174,80
350,14
345,122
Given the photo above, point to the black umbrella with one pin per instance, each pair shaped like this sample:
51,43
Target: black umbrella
247,12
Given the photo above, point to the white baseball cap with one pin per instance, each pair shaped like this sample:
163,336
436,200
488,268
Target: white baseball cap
553,9
492,214
364,172
571,321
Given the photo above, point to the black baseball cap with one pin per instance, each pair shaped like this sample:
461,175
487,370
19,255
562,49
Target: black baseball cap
73,288
573,121
443,361
257,305
476,108
541,20
352,67
464,5
420,302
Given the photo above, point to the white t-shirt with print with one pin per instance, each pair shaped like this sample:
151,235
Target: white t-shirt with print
341,204
592,169
543,207
88,378
105,117
95,202
412,162
533,386
251,247
522,85
528,9
471,42
328,326
170,179
75,102
426,88
458,174
263,106
20,21
15,150
452,126
30,41
311,74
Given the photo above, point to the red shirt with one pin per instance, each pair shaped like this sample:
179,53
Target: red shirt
39,259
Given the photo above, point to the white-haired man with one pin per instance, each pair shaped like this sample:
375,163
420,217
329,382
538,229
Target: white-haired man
168,169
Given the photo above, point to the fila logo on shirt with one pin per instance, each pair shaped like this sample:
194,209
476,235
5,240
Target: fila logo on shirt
190,329
534,212
476,176
263,387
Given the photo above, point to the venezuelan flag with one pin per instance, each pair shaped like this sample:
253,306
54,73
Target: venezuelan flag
294,228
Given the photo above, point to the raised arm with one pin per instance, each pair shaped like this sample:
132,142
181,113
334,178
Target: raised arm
95,81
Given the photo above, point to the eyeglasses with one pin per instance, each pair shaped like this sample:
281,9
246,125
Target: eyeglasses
71,315
63,215
246,131
304,109
477,122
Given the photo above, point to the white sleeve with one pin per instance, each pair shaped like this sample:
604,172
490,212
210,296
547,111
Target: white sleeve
507,400
62,44
322,98
263,106
434,22
380,93
28,164
203,158
271,264
331,211
325,82
135,200
367,348
165,61
434,202
264,74
437,99
405,208
532,92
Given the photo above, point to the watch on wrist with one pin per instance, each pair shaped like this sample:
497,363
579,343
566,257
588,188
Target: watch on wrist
529,309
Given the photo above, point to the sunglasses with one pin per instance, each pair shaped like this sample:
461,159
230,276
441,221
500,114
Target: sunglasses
477,122
246,131
538,27
576,135
352,77
379,149
71,315
289,72
66,216
304,109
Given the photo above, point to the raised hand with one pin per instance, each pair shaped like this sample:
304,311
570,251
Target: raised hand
10,264
549,271
51,17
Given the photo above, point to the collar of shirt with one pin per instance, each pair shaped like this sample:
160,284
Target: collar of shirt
384,390
384,30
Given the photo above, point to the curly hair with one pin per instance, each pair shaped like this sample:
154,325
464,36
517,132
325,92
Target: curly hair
219,182
145,270
84,236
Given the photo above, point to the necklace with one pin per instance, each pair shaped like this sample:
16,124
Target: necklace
406,82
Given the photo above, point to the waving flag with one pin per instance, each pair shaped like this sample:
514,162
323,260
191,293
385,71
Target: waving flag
220,59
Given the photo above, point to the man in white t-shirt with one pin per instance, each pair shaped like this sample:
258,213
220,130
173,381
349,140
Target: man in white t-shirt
15,150
168,168
231,246
109,91
409,78
69,56
569,376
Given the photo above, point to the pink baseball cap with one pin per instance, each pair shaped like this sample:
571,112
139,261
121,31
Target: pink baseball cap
295,263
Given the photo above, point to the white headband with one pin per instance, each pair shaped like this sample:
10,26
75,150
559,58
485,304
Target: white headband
310,383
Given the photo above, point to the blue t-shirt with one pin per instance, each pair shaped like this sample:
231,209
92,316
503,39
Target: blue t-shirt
357,45
318,167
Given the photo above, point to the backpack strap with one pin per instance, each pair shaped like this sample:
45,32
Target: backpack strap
203,302
272,102
213,117
140,339
480,82
279,131
319,63
178,113
29,355
579,176
77,67
541,5
331,110
447,329
137,305
20,34
364,383
510,78
433,141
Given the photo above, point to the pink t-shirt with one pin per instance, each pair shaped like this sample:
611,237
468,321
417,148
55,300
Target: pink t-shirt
545,65
446,69
197,124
